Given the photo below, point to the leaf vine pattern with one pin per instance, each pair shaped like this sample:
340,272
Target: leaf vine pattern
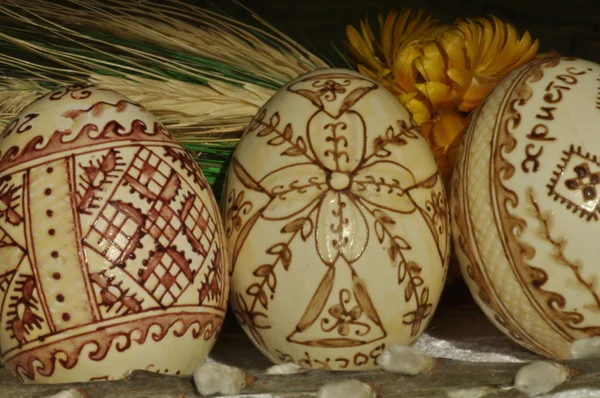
342,188
414,289
237,208
587,286
252,313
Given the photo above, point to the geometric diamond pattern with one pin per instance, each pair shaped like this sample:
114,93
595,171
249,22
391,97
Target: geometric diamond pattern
575,183
163,223
149,170
120,230
5,280
116,232
5,238
167,275
199,226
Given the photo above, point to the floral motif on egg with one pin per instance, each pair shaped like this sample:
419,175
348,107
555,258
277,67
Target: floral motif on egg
338,191
109,238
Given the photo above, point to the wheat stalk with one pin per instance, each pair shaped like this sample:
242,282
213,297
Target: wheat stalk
185,107
202,101
190,29
15,94
204,75
188,110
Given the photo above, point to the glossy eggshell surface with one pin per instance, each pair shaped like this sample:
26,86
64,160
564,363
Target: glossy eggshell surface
337,224
112,254
525,205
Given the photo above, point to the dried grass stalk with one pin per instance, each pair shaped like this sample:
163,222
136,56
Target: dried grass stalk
203,74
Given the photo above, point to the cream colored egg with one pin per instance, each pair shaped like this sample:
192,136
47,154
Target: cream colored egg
525,205
337,224
112,253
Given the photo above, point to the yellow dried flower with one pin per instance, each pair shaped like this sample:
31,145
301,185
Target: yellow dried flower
374,58
440,73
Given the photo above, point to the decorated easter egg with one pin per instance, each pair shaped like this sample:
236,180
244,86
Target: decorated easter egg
112,253
525,204
337,224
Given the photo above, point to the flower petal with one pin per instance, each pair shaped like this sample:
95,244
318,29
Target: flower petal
336,311
341,228
338,143
343,329
361,49
417,107
432,64
461,77
440,95
293,189
476,93
449,128
383,184
355,313
400,27
403,69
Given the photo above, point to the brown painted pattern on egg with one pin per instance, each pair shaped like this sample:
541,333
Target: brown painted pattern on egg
110,242
492,233
341,193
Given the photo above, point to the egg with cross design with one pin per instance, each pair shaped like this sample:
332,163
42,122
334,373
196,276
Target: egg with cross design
112,250
525,204
337,224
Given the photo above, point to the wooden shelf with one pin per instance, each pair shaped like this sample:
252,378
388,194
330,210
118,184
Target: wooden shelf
458,323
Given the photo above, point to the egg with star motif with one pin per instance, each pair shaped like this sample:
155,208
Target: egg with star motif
337,224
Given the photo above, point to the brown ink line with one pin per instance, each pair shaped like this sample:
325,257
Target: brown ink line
568,155
222,244
103,208
279,133
264,281
598,97
5,294
107,324
212,241
495,303
84,268
164,157
114,188
86,149
411,276
217,309
402,132
277,260
497,307
336,153
125,271
560,249
93,328
182,224
14,270
192,285
520,81
126,274
63,165
174,306
423,213
98,108
110,194
31,252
